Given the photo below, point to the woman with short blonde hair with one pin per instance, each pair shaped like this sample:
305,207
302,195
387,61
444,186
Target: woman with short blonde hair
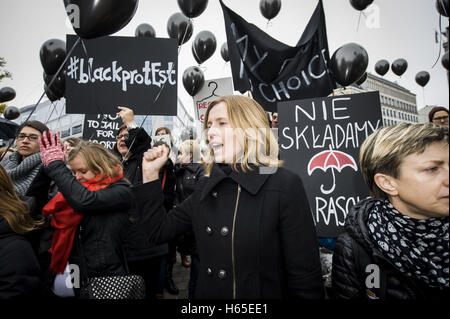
251,218
396,244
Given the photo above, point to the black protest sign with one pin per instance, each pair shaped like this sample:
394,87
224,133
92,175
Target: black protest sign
274,71
320,140
101,129
138,72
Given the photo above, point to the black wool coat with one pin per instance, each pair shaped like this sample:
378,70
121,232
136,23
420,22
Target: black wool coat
19,267
354,251
105,224
255,234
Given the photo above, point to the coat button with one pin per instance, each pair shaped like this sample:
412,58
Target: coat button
214,194
224,231
209,271
208,230
222,274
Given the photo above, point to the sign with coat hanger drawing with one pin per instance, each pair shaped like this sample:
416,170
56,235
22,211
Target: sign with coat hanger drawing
211,90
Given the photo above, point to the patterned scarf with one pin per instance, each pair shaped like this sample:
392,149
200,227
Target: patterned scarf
65,222
22,173
419,248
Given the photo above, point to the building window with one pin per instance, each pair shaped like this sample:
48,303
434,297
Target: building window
76,129
65,133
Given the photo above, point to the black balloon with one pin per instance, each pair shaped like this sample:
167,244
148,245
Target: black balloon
193,80
399,66
382,67
362,79
349,63
360,5
11,113
58,86
445,60
50,94
101,17
204,46
52,54
442,7
7,94
269,8
179,27
192,8
422,78
224,52
145,30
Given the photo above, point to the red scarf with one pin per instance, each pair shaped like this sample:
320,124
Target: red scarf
65,222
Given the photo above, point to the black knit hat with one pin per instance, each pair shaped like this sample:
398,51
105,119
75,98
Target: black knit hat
434,110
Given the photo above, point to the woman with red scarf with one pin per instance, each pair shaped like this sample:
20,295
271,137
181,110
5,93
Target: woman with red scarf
90,211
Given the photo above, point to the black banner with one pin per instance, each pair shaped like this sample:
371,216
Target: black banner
320,140
274,71
128,71
101,129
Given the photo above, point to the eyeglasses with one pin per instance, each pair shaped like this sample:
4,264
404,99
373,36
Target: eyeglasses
31,137
120,136
445,118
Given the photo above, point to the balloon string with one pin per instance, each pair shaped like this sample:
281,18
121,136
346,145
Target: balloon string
359,21
185,33
53,104
99,109
440,41
43,94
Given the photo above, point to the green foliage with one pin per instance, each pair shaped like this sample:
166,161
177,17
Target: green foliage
4,73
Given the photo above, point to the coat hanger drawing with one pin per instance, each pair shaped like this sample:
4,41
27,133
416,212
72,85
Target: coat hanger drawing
213,91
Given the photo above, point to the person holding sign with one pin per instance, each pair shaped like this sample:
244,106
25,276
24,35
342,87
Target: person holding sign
396,244
251,219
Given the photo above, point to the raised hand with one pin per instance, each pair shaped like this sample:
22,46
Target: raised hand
51,149
153,160
126,114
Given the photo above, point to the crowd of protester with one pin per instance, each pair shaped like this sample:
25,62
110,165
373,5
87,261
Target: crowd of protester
239,220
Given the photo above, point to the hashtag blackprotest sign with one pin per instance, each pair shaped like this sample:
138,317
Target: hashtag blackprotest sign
140,73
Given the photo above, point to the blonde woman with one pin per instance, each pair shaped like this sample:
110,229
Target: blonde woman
19,268
251,219
90,212
396,244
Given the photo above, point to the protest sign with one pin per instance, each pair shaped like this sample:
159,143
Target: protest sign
274,71
122,71
101,129
165,138
320,140
211,90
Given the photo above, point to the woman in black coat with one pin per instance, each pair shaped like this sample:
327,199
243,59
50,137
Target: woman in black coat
90,213
251,219
19,267
396,244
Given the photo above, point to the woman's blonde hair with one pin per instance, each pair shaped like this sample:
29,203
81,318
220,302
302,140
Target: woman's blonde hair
192,148
384,150
12,208
97,159
251,127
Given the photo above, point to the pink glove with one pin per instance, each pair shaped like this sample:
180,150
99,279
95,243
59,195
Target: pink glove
51,149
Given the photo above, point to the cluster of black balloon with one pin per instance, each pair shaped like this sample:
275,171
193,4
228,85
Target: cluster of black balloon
180,28
399,67
269,8
53,54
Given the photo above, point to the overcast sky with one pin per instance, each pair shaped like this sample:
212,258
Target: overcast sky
406,29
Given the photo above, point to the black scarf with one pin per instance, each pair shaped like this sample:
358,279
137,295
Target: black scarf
419,248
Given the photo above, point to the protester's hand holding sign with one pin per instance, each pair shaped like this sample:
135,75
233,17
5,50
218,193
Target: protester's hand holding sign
153,160
51,148
127,115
